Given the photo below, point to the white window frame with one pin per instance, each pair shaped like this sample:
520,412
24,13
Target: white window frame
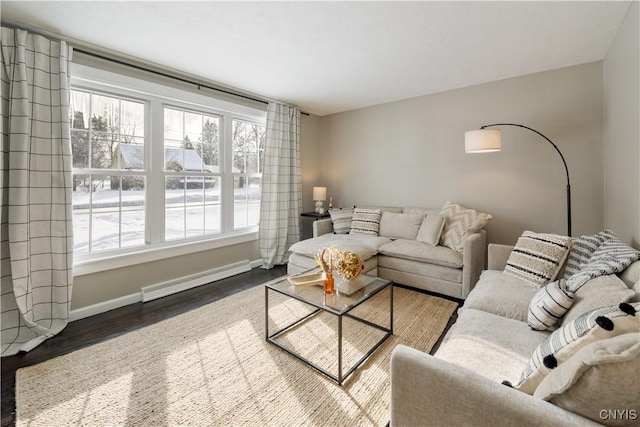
156,97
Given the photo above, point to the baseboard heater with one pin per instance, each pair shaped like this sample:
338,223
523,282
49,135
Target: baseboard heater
170,287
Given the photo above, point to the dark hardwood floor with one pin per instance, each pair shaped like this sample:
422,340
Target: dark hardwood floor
94,329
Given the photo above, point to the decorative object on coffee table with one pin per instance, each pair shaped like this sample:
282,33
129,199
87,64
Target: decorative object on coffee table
325,262
489,140
348,266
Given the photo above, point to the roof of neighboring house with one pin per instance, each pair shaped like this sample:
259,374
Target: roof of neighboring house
188,159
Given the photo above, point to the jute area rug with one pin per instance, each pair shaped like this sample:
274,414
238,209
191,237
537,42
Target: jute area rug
212,366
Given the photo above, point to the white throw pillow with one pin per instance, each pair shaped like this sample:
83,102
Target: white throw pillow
431,229
548,305
601,376
460,222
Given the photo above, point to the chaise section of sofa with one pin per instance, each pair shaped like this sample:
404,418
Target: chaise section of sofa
397,254
491,342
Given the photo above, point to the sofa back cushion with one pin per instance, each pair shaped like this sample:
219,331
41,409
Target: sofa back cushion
400,225
631,274
420,211
393,209
602,291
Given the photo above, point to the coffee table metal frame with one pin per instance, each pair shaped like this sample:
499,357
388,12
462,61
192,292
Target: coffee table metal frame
339,313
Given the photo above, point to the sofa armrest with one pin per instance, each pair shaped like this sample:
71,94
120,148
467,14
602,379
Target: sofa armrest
427,391
498,256
322,226
474,254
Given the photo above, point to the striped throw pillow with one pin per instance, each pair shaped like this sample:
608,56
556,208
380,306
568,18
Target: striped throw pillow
611,257
537,257
582,249
549,304
599,324
365,221
341,219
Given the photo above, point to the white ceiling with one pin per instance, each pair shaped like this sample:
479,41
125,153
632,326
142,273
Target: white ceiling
327,57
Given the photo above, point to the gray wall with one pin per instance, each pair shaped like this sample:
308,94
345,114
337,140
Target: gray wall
411,152
622,131
99,287
311,146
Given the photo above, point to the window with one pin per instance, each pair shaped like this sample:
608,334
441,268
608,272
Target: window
248,156
107,141
191,174
155,167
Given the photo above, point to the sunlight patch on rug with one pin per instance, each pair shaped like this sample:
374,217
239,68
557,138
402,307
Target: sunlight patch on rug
212,366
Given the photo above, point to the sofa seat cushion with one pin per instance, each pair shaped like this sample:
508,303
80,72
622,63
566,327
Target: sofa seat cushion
423,252
364,245
421,268
495,347
502,295
300,263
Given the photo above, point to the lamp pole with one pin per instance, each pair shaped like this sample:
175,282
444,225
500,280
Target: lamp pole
566,169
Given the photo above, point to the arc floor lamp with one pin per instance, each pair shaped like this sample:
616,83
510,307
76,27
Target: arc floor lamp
485,140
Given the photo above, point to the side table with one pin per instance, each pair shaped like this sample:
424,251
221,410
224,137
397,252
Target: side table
315,215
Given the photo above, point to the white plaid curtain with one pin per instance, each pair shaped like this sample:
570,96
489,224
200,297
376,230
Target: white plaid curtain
281,199
37,232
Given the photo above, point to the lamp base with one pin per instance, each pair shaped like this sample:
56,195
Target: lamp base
319,207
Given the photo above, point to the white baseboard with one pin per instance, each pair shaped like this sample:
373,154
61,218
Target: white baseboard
103,307
163,289
159,290
256,263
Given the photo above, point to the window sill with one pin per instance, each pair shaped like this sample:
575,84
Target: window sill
83,267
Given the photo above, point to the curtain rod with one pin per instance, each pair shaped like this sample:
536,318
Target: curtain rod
160,73
171,76
78,49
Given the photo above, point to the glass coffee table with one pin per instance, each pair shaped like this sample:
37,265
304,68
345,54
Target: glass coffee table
339,306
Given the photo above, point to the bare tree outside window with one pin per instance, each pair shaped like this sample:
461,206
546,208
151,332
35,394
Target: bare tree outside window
108,205
248,154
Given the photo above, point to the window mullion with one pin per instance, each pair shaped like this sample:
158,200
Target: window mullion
226,160
154,143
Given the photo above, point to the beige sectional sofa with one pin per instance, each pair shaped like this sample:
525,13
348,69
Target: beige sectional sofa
491,341
394,253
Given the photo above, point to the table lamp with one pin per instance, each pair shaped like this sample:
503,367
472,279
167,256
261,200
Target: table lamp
319,195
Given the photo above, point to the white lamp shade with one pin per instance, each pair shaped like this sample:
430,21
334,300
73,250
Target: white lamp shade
320,193
482,141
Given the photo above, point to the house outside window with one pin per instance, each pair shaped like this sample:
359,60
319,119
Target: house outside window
108,194
155,167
